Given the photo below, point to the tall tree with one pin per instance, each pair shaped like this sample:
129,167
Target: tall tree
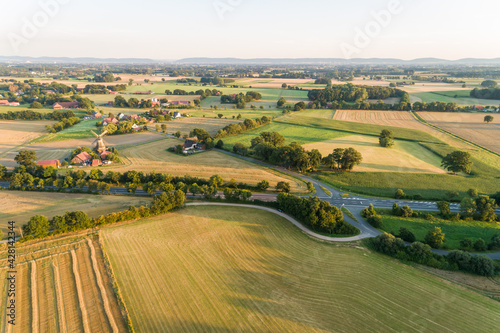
458,161
26,157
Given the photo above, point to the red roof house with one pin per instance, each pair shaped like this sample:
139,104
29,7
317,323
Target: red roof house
81,158
4,102
96,162
52,163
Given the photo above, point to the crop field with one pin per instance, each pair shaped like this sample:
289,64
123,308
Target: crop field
404,156
229,113
401,119
470,126
14,134
242,269
455,231
62,286
291,132
446,98
155,157
21,206
211,125
272,83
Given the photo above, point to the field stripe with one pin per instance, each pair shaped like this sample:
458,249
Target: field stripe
34,300
102,289
79,291
59,298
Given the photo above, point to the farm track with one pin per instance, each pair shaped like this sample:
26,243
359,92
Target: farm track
79,290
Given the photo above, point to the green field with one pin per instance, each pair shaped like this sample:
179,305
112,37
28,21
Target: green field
463,98
455,231
292,133
79,131
246,270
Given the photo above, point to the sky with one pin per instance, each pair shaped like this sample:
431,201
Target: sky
170,30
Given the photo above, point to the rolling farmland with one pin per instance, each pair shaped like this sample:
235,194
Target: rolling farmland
470,126
63,286
15,133
240,269
401,119
155,157
403,157
211,125
21,206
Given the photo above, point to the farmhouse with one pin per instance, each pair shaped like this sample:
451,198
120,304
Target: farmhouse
96,162
96,115
110,120
176,115
14,104
82,158
65,105
52,163
192,145
4,102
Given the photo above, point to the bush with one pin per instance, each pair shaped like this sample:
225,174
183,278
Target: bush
466,244
435,238
495,243
387,244
375,221
400,194
480,245
369,211
406,211
406,235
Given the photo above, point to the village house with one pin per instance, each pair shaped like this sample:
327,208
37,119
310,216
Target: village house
65,105
96,162
96,115
176,115
181,103
110,120
121,116
52,163
82,158
190,145
4,102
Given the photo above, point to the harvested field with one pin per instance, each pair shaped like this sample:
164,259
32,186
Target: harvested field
15,133
401,119
58,289
21,206
211,125
155,157
403,157
245,270
470,126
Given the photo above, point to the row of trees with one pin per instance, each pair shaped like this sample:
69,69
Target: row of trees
421,253
240,99
489,93
34,115
246,125
352,93
317,214
40,226
63,124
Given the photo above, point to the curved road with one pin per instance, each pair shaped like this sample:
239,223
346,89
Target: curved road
367,231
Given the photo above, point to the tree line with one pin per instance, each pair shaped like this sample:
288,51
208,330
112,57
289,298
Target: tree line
39,226
316,214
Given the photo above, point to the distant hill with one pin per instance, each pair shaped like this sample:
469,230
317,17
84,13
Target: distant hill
254,61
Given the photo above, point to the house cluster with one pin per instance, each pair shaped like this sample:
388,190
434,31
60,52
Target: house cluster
5,102
84,159
485,109
122,117
173,115
94,115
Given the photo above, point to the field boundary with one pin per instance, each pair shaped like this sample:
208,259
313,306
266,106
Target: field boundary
425,122
59,298
34,299
81,301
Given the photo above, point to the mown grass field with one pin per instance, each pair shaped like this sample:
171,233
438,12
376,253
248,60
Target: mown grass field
61,286
241,269
78,131
455,231
21,206
155,157
470,126
186,125
16,133
404,156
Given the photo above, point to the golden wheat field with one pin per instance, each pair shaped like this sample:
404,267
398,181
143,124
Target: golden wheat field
155,157
211,125
21,205
470,126
15,133
233,269
402,119
404,156
61,286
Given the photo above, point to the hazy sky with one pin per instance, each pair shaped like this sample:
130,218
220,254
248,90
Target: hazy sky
167,29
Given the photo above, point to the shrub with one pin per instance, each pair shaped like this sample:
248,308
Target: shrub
406,211
466,244
387,244
368,211
435,238
400,194
480,245
406,235
375,221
